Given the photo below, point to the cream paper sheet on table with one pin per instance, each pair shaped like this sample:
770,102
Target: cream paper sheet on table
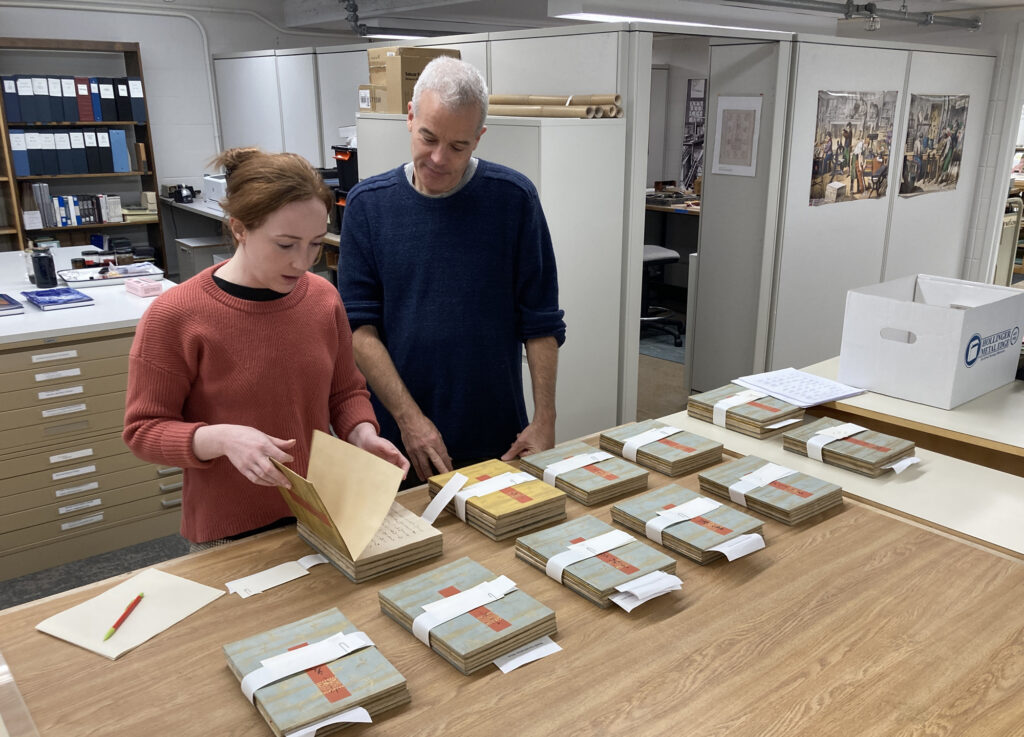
168,600
798,387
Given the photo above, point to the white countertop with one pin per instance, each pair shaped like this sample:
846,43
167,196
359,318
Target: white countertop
115,307
997,416
963,498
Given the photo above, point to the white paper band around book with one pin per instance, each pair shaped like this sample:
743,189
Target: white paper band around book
456,489
829,435
443,610
763,476
359,715
576,552
295,661
724,405
675,515
636,591
635,443
740,545
571,464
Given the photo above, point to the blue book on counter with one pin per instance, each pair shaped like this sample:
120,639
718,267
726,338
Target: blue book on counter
58,299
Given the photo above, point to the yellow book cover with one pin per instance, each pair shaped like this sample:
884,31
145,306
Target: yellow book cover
504,501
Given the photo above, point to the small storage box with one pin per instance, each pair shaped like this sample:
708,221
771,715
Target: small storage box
143,287
931,339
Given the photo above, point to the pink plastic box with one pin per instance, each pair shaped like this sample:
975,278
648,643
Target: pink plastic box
143,287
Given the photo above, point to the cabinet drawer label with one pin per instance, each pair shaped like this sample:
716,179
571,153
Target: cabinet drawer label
91,519
51,375
72,472
44,357
65,392
71,455
67,410
80,506
76,489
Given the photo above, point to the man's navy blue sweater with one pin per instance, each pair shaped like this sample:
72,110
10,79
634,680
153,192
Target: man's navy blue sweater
454,285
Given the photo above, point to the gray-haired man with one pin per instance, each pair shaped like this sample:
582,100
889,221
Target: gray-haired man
447,269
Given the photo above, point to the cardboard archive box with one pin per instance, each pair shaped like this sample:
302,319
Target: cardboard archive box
393,74
931,339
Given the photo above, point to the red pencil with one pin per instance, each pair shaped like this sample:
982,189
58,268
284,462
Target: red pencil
120,620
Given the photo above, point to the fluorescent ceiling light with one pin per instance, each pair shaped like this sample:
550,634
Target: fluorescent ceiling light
398,36
605,18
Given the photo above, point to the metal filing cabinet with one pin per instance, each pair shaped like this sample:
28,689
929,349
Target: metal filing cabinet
196,254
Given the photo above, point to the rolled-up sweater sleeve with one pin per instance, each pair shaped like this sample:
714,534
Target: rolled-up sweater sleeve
537,278
358,278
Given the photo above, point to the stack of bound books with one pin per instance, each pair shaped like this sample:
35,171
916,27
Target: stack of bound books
466,614
666,449
346,510
849,446
748,411
682,520
349,673
770,489
496,499
592,558
587,475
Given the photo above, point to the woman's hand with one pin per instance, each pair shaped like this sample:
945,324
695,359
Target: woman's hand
248,449
364,436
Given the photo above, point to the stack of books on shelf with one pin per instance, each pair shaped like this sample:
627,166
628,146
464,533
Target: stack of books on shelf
682,520
50,152
666,449
466,614
587,475
353,675
40,98
62,211
749,411
496,499
598,573
345,509
60,298
849,446
770,489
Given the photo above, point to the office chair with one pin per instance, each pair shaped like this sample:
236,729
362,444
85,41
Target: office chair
653,317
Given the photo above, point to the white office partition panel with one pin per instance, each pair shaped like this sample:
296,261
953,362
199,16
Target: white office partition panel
555,65
339,75
474,52
574,164
928,233
737,234
247,99
828,249
300,116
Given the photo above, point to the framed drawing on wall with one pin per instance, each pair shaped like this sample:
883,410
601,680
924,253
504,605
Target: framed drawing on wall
738,123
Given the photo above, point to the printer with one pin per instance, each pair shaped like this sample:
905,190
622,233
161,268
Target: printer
215,187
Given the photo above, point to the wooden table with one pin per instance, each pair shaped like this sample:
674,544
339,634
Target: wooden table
988,430
855,623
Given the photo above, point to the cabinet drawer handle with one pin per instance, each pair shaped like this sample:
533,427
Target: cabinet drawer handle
169,503
168,471
176,486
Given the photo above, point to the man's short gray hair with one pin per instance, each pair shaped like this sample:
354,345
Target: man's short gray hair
455,82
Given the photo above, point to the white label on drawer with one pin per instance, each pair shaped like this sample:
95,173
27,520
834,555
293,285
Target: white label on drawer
80,506
65,392
68,410
77,489
60,458
44,357
74,472
92,518
50,376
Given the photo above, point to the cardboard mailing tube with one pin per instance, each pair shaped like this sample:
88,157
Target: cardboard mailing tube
556,99
547,111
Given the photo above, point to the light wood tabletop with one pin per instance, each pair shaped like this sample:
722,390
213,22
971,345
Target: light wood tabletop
854,623
988,430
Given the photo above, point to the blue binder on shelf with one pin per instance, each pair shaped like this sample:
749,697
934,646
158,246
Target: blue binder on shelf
137,99
79,161
94,95
62,144
41,96
49,146
69,99
34,147
108,101
12,108
119,150
103,144
56,99
26,98
19,153
92,151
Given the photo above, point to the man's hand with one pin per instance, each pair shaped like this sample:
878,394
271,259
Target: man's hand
535,437
364,436
425,446
248,449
